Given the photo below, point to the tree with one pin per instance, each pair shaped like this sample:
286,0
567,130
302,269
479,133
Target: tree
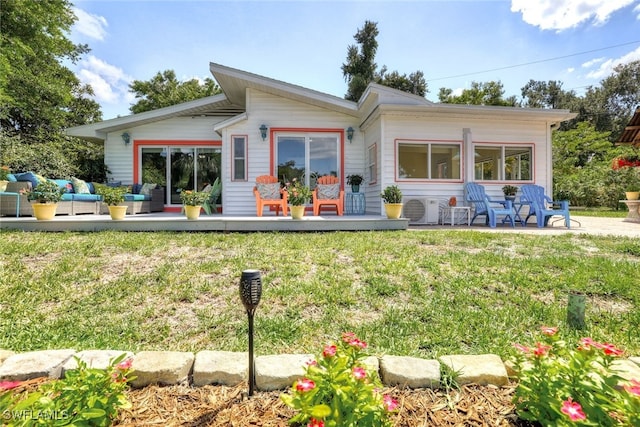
360,68
489,93
164,90
39,96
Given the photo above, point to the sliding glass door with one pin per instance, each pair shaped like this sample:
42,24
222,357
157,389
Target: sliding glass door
183,167
307,157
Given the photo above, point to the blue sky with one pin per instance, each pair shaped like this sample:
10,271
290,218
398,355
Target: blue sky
453,42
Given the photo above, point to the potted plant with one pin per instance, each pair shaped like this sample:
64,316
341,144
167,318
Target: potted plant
192,201
4,180
510,192
298,195
392,197
46,196
113,197
354,181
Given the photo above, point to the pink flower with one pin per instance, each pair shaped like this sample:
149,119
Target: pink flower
357,343
315,423
348,337
359,373
329,351
587,343
125,364
305,384
522,348
611,349
573,410
549,330
390,403
8,385
541,349
312,362
633,388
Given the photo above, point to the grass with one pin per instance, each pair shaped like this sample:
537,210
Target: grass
420,293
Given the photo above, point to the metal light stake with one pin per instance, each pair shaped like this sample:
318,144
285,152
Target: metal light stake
250,292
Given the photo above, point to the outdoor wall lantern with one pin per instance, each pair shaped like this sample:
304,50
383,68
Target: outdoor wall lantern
263,131
250,292
126,138
350,134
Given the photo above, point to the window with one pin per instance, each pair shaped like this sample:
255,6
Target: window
432,160
372,163
516,166
239,163
307,157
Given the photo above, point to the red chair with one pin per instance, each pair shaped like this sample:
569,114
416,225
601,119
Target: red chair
268,192
328,193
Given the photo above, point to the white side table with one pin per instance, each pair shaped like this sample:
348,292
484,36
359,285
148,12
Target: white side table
450,212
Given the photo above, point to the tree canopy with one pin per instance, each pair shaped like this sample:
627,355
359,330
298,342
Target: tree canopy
164,90
39,95
361,69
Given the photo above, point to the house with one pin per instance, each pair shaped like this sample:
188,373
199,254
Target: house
261,126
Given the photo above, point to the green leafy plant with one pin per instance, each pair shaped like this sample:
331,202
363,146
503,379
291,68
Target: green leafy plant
298,193
355,179
560,384
339,390
193,198
112,196
4,172
85,397
46,192
509,190
392,194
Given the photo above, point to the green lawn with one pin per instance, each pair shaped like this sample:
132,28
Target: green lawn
422,293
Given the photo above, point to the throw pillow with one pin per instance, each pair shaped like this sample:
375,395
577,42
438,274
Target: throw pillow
79,186
146,189
28,177
269,191
328,191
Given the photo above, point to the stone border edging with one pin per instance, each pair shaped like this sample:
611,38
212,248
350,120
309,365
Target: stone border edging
274,372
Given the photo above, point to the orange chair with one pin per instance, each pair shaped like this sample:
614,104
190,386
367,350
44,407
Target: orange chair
269,193
328,193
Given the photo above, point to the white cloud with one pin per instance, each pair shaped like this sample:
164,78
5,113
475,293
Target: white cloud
110,84
593,62
564,14
606,68
92,26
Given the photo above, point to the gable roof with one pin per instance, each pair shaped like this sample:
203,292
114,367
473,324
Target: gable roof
376,99
631,133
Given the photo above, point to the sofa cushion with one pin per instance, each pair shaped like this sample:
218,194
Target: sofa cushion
28,177
86,197
146,188
136,197
79,186
114,184
67,197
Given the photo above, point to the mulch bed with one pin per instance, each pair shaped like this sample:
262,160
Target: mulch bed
471,405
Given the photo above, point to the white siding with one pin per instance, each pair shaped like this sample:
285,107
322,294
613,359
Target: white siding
482,131
276,112
119,157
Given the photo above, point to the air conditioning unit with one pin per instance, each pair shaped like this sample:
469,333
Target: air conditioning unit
421,210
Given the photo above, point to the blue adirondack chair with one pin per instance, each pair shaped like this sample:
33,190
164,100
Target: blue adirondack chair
543,207
484,205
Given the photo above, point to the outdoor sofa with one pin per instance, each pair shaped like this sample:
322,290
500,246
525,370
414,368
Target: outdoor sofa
79,197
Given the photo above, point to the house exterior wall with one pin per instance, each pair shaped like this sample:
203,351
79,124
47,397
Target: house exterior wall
119,157
482,131
278,113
